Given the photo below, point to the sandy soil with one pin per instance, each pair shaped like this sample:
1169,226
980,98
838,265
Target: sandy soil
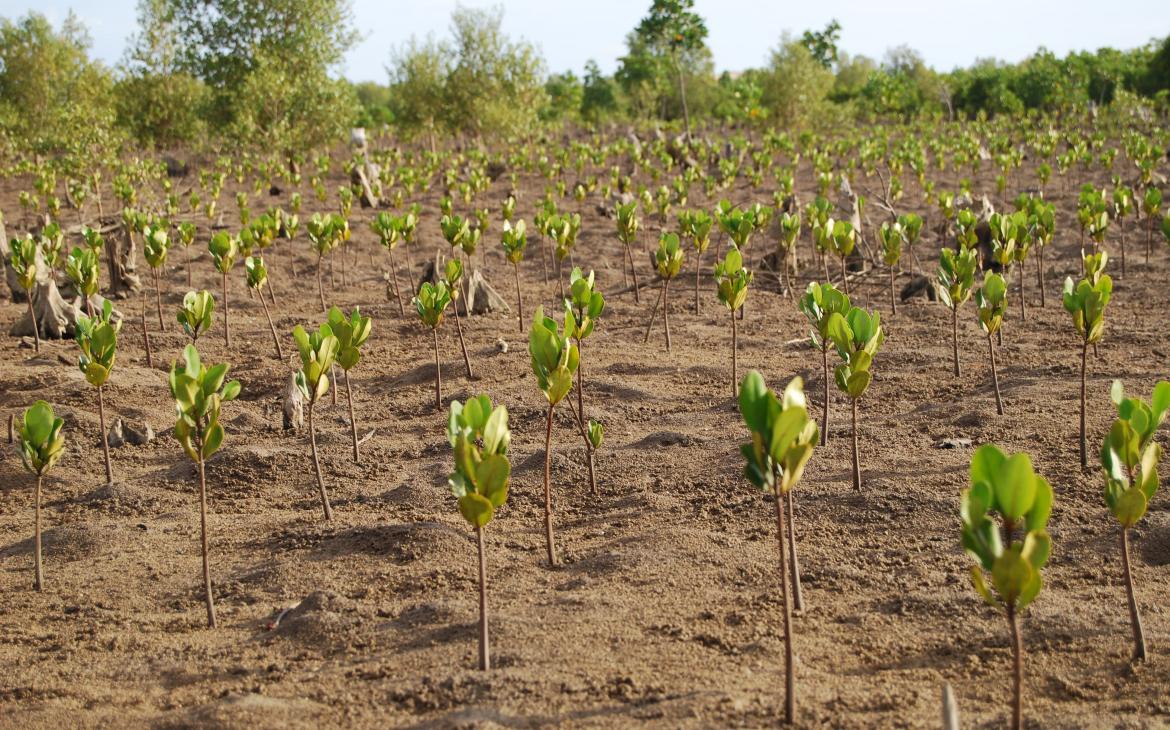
666,611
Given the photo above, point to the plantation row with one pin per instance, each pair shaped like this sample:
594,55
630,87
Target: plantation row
1006,508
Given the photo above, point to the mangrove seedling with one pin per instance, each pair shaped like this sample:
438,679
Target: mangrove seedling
155,245
41,443
857,337
790,224
453,277
732,280
23,260
819,303
1009,488
195,314
351,333
1151,209
318,352
891,235
515,240
582,310
956,277
186,238
480,482
257,276
696,224
1130,458
1085,302
554,359
430,303
83,271
669,259
991,299
98,339
782,440
321,235
386,226
627,227
199,392
224,250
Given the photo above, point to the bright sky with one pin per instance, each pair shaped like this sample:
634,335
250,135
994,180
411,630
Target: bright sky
742,32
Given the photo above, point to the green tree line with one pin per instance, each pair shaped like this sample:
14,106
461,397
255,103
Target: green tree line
267,73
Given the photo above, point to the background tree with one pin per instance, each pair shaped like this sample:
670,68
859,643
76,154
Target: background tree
271,67
671,36
156,101
54,101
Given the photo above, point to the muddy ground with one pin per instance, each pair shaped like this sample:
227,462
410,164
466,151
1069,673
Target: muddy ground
666,610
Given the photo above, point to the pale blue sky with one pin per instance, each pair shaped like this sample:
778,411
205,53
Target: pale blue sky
948,33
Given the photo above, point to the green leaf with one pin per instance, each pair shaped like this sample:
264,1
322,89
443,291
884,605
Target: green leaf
476,509
492,478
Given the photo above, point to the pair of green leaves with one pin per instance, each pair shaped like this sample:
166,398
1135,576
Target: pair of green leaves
819,303
23,259
857,335
732,280
256,271
956,275
155,245
514,239
584,305
554,357
318,351
199,391
432,301
459,233
783,435
98,339
83,271
627,222
195,312
991,299
696,224
1009,487
891,234
669,256
224,248
351,333
1130,456
739,223
1086,302
564,230
480,479
39,438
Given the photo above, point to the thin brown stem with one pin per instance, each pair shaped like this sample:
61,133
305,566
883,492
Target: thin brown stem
793,561
317,465
227,327
1017,669
789,674
519,299
39,582
955,338
272,327
825,374
1084,364
548,519
666,310
1135,619
994,375
105,436
856,451
485,661
203,540
32,317
394,278
352,420
734,356
145,334
438,372
462,344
